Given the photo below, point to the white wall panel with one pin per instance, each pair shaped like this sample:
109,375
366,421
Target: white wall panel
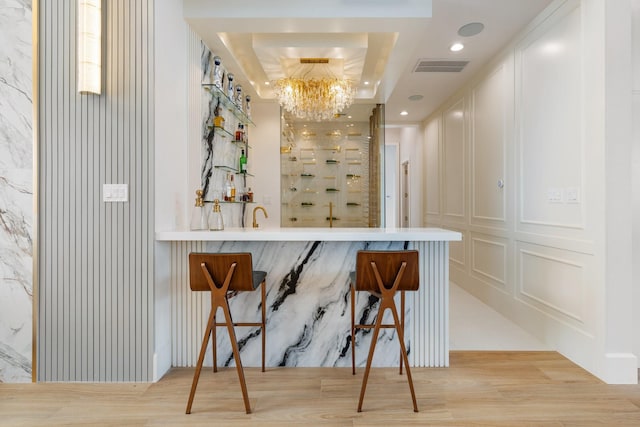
454,165
550,113
96,259
635,5
489,259
458,250
554,281
549,102
432,168
488,146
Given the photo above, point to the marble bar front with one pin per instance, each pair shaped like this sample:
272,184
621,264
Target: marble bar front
308,306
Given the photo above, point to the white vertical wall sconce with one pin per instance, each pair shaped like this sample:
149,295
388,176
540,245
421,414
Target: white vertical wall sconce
89,46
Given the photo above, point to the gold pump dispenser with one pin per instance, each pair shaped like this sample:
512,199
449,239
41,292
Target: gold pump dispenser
215,218
199,220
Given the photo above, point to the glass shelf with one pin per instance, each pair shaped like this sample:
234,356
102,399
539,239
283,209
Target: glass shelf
236,202
223,133
227,103
232,170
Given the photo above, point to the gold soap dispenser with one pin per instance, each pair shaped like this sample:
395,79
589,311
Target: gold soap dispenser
215,217
199,220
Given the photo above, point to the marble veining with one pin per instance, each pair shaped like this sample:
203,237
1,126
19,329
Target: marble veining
308,307
219,155
16,191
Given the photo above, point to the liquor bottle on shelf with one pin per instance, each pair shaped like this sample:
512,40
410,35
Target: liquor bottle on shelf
218,120
218,74
239,133
233,191
238,97
247,106
227,189
230,87
243,162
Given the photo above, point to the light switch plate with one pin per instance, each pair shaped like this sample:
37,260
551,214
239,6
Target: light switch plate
115,192
572,194
554,195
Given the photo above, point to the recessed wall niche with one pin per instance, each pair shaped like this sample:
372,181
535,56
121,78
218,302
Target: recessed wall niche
330,171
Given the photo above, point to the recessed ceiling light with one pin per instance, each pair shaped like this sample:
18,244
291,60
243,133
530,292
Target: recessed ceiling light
366,82
267,83
471,29
415,97
456,47
349,117
404,113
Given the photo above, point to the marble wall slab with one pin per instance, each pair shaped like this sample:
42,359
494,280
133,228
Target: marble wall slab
16,191
219,153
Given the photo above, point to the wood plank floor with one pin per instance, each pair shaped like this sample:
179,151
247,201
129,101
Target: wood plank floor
478,389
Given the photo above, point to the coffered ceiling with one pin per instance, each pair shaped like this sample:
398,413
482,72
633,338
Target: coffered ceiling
374,43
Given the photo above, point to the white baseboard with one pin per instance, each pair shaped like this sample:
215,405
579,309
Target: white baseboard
620,368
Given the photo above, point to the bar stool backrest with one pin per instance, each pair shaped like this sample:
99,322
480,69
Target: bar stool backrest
218,265
388,264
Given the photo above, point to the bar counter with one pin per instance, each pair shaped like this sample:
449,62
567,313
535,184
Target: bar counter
308,315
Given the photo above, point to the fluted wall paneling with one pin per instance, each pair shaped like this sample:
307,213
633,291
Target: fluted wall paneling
95,270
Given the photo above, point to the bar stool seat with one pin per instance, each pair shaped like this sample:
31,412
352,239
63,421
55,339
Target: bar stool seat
224,275
383,273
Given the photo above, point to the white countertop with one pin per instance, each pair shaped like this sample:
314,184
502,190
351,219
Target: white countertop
312,234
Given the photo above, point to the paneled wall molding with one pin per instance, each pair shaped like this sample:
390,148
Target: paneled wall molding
488,152
569,305
587,247
538,253
458,250
432,171
548,64
96,259
454,166
484,251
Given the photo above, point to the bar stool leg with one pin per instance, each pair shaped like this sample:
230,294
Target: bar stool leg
374,340
203,350
264,321
401,323
214,344
236,356
353,330
403,350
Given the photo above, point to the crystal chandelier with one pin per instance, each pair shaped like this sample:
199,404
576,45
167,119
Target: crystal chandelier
315,98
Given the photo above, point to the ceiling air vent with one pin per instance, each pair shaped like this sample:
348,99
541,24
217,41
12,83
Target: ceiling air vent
439,66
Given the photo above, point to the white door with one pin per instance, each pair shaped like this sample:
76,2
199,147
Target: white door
404,191
391,198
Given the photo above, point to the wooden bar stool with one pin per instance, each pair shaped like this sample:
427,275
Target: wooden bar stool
383,273
225,274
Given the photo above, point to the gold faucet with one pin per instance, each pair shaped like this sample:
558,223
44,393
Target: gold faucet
255,223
